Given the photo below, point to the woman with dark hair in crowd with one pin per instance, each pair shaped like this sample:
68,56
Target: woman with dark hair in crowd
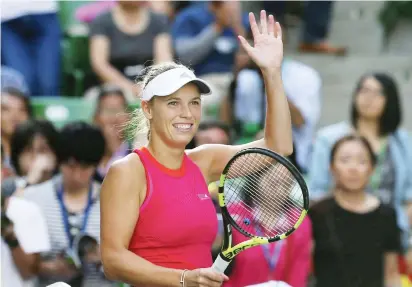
375,114
34,153
356,237
15,109
111,117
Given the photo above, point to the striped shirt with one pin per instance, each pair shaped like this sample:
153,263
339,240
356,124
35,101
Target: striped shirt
45,195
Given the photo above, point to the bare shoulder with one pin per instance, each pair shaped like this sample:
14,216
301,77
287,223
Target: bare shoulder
212,158
202,157
126,176
197,153
130,164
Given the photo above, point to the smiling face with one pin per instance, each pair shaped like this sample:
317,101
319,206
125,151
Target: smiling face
175,118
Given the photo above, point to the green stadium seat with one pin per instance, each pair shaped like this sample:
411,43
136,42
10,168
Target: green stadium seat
75,49
76,65
212,111
61,110
67,11
133,106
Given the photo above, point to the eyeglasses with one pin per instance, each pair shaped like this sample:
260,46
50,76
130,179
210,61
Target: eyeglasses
367,90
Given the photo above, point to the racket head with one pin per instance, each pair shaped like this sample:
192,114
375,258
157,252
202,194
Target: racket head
261,189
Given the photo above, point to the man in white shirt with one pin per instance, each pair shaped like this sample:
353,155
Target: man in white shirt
302,85
24,235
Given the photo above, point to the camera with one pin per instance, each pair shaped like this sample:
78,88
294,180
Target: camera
5,222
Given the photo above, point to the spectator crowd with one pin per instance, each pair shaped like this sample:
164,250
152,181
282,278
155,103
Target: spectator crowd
358,230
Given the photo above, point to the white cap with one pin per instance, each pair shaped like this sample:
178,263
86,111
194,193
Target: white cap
172,80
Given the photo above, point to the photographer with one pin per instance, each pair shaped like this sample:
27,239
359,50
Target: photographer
23,237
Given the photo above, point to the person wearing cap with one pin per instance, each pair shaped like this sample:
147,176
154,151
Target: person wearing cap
158,222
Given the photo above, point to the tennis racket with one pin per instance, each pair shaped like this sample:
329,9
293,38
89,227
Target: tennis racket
263,196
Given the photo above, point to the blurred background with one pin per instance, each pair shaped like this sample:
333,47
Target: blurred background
69,69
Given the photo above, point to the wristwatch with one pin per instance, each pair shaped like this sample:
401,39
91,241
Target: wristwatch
11,241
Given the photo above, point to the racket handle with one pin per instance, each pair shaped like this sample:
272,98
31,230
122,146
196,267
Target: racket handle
220,264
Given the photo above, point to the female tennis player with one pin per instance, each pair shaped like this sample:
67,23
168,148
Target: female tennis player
158,222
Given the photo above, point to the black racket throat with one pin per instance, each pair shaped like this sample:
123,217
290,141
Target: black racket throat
227,239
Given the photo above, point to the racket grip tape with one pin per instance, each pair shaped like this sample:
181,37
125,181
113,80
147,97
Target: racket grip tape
220,264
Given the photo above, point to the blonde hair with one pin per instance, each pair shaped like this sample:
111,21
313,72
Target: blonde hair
138,127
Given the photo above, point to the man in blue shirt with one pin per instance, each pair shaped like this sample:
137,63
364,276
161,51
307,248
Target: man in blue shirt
205,38
205,35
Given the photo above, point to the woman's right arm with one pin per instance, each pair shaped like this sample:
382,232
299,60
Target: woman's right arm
120,201
121,197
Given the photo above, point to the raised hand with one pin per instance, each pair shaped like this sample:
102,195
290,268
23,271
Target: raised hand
267,51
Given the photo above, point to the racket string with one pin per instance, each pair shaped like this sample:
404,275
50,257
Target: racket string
256,193
273,197
266,218
270,205
260,197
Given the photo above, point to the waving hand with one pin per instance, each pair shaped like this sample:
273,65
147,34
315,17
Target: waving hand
267,51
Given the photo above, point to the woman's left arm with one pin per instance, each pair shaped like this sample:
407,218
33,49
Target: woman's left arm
392,249
163,48
392,276
267,53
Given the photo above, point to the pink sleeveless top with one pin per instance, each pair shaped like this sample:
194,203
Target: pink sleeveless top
177,222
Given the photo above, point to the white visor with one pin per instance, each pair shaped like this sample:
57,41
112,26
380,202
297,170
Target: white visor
172,80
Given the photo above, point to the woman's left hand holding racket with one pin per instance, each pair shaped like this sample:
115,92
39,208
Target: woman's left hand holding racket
204,277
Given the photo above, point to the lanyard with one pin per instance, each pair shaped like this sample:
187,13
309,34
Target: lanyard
65,214
272,258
